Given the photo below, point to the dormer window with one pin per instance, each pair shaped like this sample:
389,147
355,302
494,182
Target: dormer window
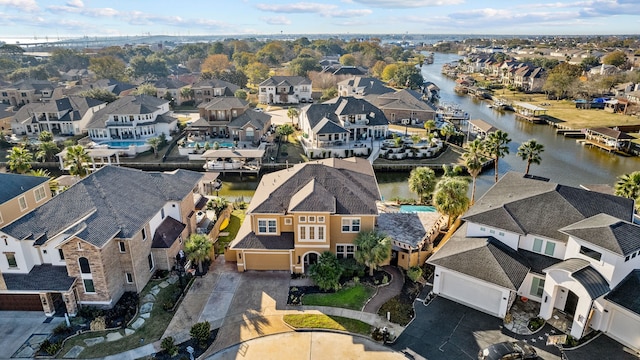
590,253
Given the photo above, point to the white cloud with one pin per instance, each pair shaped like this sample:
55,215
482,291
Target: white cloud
326,10
407,3
75,3
277,20
27,5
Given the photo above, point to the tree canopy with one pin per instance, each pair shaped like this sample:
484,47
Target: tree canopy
422,181
372,248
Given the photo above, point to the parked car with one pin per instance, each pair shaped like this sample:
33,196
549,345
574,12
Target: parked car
508,351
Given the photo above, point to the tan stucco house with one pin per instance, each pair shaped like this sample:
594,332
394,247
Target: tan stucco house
298,213
105,235
21,194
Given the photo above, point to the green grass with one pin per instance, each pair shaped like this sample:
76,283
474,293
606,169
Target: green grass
151,331
321,321
237,217
352,298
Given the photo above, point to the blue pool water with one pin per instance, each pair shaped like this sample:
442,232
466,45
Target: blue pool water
416,208
222,144
114,144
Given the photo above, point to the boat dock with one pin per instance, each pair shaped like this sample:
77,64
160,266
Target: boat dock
529,112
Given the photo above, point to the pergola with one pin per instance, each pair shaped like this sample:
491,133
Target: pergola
99,158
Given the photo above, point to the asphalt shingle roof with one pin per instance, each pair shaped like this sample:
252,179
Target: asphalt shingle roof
607,232
115,201
341,106
370,85
126,105
40,278
13,185
167,233
486,259
627,293
407,228
265,242
257,120
286,80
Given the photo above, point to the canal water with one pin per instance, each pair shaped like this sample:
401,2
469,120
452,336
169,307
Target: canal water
564,160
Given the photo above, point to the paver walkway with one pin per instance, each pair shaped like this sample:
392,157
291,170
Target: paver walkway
386,293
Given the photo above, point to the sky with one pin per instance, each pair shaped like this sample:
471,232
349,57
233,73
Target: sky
52,19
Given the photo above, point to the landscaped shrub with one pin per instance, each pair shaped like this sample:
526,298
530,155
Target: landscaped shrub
326,272
200,333
50,348
60,329
351,268
169,346
535,323
414,273
90,312
123,311
98,324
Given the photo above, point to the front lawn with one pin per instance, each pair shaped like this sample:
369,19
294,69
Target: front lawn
237,217
321,321
352,298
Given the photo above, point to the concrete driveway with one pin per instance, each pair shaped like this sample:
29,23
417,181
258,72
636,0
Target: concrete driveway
17,327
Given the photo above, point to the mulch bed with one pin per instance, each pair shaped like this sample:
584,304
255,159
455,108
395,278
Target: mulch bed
182,348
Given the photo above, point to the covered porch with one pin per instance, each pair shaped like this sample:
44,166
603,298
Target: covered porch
529,112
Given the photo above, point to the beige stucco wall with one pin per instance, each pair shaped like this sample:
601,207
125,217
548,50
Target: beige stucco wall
10,210
263,260
416,258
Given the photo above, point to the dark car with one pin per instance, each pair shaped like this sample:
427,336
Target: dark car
507,351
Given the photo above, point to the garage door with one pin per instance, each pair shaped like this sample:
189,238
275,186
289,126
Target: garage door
470,293
625,328
20,302
266,261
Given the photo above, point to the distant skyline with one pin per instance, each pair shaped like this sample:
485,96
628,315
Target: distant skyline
26,20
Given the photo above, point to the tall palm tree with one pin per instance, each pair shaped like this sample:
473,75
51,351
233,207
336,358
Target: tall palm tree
496,146
628,186
53,183
422,181
292,113
447,131
45,136
372,248
530,151
450,197
430,125
47,150
186,93
198,249
19,159
155,144
474,159
77,159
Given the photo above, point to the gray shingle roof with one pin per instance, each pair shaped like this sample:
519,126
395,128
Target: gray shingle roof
627,292
529,206
406,228
313,197
266,242
167,233
230,88
126,105
607,232
71,108
340,106
258,120
288,80
482,258
538,262
351,181
224,103
13,185
40,278
371,85
114,200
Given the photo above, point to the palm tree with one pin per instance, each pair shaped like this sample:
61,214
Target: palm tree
186,93
292,113
19,159
496,146
628,186
45,136
53,183
77,159
447,131
422,181
47,150
198,249
530,151
372,248
430,125
450,197
155,144
474,159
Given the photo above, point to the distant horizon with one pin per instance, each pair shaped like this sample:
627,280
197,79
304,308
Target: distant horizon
28,19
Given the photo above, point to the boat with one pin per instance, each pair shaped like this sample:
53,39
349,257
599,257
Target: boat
452,113
223,164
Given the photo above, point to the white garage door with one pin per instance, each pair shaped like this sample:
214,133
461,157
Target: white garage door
625,328
470,293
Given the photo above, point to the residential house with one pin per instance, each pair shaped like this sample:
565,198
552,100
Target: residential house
298,213
529,78
342,70
216,115
133,117
76,75
285,90
206,90
172,87
360,86
405,105
29,91
66,116
573,251
344,126
115,87
21,194
105,235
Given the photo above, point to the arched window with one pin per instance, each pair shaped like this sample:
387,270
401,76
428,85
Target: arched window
84,265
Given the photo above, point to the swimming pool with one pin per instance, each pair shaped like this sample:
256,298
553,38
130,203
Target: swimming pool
123,144
416,208
202,144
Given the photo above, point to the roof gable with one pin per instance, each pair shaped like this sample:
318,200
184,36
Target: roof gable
608,232
13,185
313,197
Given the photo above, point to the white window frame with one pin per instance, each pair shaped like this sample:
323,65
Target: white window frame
153,262
288,221
312,219
533,247
312,233
144,234
128,275
267,226
40,190
321,219
1,221
22,200
539,287
302,219
122,247
346,247
350,225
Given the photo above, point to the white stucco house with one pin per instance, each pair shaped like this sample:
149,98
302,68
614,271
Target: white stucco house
572,250
134,117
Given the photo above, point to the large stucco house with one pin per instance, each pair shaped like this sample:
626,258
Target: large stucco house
105,235
285,90
28,91
136,117
298,213
67,116
21,194
573,251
